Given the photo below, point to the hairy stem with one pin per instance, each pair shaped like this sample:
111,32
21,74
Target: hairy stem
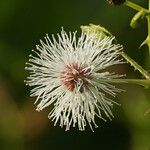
136,66
148,19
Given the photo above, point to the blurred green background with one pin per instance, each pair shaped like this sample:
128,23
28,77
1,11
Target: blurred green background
22,24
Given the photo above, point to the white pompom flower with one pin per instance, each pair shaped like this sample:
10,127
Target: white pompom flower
69,74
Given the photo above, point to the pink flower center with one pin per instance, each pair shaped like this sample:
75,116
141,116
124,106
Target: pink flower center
75,75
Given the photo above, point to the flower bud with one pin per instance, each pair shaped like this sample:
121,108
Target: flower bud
116,2
100,31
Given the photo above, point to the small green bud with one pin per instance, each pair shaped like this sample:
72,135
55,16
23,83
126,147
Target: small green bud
97,29
116,2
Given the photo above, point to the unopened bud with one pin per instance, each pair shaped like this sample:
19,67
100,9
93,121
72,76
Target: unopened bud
116,2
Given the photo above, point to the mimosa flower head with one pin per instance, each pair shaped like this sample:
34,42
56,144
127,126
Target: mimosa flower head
69,74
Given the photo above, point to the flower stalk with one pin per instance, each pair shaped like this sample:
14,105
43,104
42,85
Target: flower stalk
141,82
135,6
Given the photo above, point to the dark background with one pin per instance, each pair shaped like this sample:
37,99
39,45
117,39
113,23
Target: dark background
22,24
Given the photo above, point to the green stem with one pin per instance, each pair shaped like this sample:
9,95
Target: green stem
136,65
148,20
135,6
142,82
